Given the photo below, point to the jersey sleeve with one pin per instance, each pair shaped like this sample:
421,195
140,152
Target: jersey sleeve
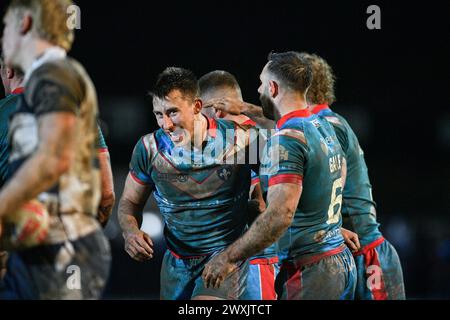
140,165
287,155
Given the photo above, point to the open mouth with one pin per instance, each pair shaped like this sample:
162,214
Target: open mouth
176,137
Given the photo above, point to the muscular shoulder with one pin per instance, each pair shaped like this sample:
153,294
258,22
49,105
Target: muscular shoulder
344,131
64,73
290,135
148,144
59,85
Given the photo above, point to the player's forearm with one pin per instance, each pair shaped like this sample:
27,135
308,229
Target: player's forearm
256,114
129,215
38,174
268,227
106,207
108,196
3,262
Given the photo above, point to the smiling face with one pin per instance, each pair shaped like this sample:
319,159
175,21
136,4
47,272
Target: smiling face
176,114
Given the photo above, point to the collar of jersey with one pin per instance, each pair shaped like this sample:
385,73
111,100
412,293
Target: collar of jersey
303,113
212,127
19,90
319,107
51,54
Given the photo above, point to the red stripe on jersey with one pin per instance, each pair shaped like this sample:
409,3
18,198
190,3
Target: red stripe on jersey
186,257
212,127
255,181
285,178
319,107
267,280
102,150
249,122
293,283
317,257
264,260
137,179
364,250
18,90
303,113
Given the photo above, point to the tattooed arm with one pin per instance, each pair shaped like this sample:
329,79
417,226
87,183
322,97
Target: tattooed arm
108,197
137,243
237,107
42,170
268,227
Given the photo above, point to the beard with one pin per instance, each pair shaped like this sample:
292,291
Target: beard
268,107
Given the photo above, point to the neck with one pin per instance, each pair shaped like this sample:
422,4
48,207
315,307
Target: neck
11,85
311,107
291,102
15,84
34,49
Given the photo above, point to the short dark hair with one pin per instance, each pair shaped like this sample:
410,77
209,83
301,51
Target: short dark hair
217,79
322,87
292,69
173,78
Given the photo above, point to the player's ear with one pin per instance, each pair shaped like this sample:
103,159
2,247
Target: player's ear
10,73
26,24
197,106
273,89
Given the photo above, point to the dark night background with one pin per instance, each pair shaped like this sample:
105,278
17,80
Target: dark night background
393,86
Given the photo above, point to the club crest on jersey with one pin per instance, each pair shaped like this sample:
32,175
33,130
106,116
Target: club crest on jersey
224,173
315,123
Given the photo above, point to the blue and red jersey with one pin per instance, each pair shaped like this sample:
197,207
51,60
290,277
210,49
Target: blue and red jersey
305,151
358,207
203,201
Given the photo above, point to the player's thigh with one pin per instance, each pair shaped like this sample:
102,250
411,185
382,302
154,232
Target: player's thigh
232,288
261,282
391,271
332,278
92,259
177,277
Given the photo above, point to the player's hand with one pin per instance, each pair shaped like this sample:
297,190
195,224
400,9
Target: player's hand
228,105
104,212
138,245
351,239
217,270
